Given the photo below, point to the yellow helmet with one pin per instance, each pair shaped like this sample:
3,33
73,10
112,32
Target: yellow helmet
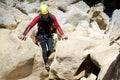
44,9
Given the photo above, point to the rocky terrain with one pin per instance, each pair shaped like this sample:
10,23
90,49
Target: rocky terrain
92,51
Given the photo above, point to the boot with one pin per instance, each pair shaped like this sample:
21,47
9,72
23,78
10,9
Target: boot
47,67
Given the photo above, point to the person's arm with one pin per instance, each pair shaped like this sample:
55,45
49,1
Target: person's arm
28,28
59,28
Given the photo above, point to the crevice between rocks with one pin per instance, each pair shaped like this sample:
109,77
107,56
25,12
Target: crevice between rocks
87,68
21,71
2,26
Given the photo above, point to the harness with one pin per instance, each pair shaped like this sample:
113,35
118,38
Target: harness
44,33
45,25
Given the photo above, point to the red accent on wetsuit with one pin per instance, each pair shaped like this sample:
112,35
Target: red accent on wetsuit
57,25
35,20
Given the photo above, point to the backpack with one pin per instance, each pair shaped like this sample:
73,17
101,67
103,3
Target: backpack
46,24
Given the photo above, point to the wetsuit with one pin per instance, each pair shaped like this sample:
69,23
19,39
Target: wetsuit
44,33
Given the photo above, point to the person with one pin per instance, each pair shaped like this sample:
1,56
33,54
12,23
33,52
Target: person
46,23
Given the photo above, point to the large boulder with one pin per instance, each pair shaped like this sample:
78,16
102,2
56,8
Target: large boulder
74,15
97,14
114,68
7,19
16,56
114,26
11,17
103,56
66,62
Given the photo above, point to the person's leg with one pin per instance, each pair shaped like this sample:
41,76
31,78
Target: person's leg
43,44
44,51
50,46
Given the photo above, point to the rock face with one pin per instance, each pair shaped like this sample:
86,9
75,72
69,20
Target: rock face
86,55
114,26
71,57
99,16
7,18
17,61
10,17
114,30
114,68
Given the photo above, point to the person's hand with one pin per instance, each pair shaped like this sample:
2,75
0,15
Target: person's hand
36,40
22,37
64,37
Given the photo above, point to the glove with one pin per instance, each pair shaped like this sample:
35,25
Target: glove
22,37
64,37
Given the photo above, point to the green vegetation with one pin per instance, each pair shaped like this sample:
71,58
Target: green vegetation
30,1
